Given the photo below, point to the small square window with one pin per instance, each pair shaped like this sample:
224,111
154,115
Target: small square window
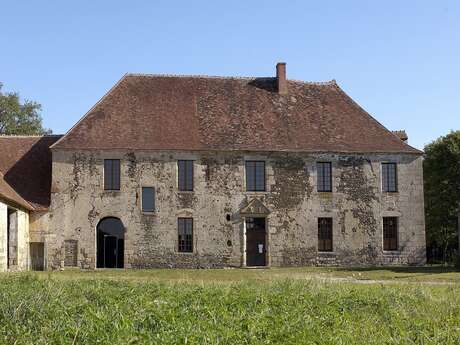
148,199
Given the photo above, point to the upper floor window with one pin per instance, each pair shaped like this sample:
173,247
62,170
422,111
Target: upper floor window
185,232
255,176
390,233
389,177
324,176
111,174
148,199
185,169
325,234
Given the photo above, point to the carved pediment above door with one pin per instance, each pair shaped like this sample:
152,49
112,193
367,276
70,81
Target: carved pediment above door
254,207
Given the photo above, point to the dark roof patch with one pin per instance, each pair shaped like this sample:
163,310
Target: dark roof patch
25,164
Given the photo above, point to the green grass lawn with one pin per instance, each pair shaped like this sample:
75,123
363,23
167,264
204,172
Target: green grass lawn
238,306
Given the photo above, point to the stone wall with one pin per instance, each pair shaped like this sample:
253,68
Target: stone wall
356,204
23,251
3,236
18,242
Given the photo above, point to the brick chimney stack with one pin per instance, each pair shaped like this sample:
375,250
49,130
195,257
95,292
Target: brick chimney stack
281,81
401,134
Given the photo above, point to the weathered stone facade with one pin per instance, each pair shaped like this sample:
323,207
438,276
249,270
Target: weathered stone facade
62,211
356,205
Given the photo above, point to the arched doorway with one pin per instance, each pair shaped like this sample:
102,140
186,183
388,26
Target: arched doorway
110,243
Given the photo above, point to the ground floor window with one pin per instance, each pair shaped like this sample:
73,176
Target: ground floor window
390,233
325,234
185,227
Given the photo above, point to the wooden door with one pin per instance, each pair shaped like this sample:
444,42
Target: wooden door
37,256
256,248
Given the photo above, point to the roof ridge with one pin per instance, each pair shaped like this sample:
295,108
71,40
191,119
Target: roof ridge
205,76
29,136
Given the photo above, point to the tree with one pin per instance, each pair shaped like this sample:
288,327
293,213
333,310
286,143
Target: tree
19,118
441,169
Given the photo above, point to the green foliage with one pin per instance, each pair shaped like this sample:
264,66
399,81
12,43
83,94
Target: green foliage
441,169
19,118
457,261
50,310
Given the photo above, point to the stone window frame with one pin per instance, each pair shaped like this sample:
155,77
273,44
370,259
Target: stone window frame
398,232
192,250
255,162
119,175
331,180
331,219
154,199
336,225
382,185
188,158
267,174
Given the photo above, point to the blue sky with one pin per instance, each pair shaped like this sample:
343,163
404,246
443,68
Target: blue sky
400,60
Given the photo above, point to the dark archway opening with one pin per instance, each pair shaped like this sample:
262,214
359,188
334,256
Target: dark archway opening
110,243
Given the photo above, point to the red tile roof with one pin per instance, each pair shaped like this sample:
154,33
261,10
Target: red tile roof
223,113
9,195
25,165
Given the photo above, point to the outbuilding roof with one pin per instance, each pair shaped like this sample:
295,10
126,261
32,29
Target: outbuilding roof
25,170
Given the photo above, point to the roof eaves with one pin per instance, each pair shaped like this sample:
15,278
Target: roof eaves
90,110
353,102
17,200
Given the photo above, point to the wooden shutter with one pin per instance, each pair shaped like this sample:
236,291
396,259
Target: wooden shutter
71,253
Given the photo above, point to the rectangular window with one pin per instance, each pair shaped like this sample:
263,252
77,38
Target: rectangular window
324,175
185,227
389,177
148,199
255,176
111,174
390,233
185,168
325,234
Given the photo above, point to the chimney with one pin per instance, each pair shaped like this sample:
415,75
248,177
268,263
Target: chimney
401,134
281,81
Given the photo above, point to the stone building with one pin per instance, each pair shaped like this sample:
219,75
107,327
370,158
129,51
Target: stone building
197,171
